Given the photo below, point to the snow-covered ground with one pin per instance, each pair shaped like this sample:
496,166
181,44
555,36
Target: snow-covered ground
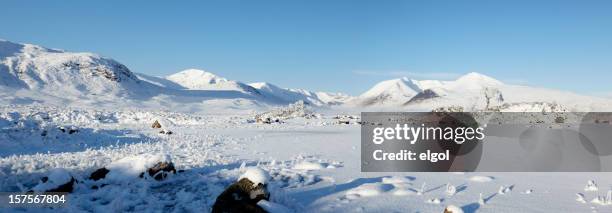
65,115
314,166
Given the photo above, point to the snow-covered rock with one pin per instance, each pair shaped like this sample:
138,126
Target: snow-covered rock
57,180
591,186
453,209
256,175
129,168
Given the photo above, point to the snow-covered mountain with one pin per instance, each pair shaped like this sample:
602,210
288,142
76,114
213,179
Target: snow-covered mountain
32,67
473,91
38,74
31,73
389,93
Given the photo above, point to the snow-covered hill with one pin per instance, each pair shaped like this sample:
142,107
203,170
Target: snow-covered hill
274,92
26,66
195,79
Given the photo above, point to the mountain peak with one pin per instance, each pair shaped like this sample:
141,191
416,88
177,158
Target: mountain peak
263,85
478,78
196,75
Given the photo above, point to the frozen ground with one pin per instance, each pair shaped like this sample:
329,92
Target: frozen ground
314,166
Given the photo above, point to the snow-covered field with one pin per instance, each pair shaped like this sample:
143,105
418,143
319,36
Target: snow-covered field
314,164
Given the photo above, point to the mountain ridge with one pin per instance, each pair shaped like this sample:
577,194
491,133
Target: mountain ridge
90,78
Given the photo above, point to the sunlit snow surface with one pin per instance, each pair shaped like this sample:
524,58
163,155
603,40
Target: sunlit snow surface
314,166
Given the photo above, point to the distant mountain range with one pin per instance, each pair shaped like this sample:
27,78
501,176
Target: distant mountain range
39,74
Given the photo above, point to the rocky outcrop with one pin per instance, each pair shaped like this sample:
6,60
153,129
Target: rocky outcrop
422,96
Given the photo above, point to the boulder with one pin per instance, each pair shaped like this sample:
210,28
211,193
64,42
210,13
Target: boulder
241,196
156,125
99,174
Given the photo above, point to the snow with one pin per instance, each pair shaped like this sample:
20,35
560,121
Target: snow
195,79
256,175
273,207
391,92
369,190
396,180
287,95
482,179
434,200
211,148
129,168
473,92
56,178
591,186
308,166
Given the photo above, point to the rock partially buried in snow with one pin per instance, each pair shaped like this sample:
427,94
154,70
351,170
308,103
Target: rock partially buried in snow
99,174
132,167
434,200
244,195
591,186
255,175
165,132
70,130
59,180
453,209
160,170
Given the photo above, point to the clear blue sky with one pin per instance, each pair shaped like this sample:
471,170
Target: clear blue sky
334,45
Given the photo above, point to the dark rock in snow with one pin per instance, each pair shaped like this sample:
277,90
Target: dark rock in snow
156,125
99,174
73,130
165,132
241,196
